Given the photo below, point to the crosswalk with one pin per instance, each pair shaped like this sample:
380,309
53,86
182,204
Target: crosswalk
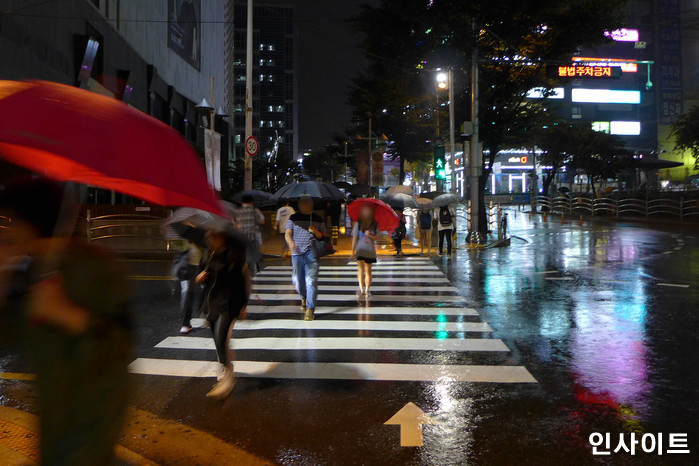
414,327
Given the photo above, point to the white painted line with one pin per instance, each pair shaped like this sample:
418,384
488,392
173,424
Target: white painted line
402,280
353,288
548,271
353,273
343,310
397,326
340,343
337,371
674,285
413,263
374,298
620,282
667,252
677,248
558,278
350,267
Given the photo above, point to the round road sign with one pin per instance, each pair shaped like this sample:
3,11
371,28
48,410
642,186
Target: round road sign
252,146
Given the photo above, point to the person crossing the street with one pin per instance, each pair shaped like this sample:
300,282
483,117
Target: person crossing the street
303,229
446,216
364,236
425,226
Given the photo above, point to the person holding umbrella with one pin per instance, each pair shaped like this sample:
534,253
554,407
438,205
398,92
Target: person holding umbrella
302,230
227,285
364,237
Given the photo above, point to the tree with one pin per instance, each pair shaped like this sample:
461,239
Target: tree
515,40
686,133
599,155
323,164
269,174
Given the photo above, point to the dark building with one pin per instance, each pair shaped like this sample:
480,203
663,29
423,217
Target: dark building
275,112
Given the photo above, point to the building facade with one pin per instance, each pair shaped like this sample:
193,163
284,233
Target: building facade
158,57
275,109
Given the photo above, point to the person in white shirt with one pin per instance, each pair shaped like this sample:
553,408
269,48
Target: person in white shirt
446,224
282,217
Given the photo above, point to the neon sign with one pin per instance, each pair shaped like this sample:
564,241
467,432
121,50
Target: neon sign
626,66
589,71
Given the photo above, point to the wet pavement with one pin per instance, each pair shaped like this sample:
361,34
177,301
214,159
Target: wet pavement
516,355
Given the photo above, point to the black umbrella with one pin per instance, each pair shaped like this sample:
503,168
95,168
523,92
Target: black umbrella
401,201
359,190
312,189
342,185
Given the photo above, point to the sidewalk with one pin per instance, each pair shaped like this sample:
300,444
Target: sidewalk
146,440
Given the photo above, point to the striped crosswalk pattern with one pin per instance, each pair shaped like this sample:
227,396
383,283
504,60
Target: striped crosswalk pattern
413,317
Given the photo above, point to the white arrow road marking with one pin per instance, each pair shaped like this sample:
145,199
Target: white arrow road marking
410,418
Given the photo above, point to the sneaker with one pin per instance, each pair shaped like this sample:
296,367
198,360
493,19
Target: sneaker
309,314
185,330
224,387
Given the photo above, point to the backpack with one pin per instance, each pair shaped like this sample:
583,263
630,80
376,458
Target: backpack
400,232
425,221
445,216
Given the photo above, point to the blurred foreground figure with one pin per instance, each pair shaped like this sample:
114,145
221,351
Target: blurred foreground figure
74,325
227,284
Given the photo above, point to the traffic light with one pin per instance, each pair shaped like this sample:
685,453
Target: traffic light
440,166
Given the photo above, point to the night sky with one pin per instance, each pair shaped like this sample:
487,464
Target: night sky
328,58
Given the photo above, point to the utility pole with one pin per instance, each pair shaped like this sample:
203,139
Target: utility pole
475,158
452,143
248,99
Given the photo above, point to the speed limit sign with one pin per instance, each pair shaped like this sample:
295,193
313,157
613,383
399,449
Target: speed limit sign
252,146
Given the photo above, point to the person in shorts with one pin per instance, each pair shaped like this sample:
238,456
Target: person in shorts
364,236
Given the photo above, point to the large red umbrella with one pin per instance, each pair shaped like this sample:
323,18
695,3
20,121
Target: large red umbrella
70,134
383,213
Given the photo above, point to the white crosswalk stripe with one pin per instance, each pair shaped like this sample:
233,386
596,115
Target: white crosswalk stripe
413,310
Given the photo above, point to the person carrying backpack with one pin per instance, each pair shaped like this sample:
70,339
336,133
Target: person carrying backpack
424,221
446,223
399,233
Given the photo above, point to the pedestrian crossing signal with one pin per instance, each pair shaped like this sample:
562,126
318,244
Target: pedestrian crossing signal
440,171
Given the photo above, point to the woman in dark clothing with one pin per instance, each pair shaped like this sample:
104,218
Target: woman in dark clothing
399,233
227,283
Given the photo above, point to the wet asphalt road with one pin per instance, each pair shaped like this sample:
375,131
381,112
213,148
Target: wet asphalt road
605,317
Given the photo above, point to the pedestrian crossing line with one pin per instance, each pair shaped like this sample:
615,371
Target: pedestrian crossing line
340,343
404,326
401,281
374,298
337,371
349,267
380,262
344,310
374,288
407,274
559,278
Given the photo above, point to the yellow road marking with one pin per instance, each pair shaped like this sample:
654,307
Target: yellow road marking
16,376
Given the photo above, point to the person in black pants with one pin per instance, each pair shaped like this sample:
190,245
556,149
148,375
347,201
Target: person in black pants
446,216
227,284
399,233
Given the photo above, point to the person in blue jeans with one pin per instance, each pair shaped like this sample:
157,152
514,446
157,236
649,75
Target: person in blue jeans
302,229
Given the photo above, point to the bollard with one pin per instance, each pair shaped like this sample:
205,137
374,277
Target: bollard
515,214
563,218
545,217
581,222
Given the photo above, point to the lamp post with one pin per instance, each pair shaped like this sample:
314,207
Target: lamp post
248,99
446,81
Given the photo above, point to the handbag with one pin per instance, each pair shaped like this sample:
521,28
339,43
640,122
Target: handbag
322,247
179,266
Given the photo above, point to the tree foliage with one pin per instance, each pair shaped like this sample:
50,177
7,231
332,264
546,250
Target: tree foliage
686,133
515,39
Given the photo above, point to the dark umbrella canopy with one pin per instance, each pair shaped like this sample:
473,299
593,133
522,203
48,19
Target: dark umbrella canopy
655,164
312,189
260,198
401,201
359,190
445,199
342,185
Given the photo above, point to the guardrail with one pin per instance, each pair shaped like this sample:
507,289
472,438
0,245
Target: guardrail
127,231
682,209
